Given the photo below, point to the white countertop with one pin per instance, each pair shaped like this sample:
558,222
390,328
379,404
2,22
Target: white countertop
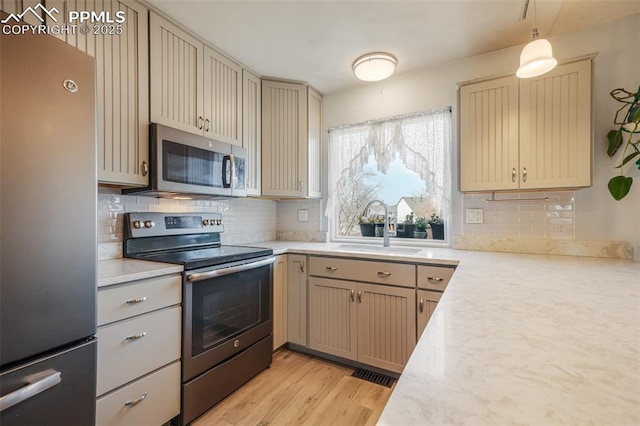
521,339
515,339
116,271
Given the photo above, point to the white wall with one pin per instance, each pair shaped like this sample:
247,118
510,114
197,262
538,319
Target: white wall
598,216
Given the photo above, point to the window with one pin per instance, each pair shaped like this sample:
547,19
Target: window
404,162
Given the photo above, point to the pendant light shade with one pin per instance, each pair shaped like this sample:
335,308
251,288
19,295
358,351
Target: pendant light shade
536,59
374,66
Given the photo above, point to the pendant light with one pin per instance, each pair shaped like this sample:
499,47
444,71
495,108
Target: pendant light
537,56
374,66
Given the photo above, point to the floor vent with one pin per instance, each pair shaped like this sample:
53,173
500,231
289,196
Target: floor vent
373,377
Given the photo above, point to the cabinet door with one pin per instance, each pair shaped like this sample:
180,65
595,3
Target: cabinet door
122,88
222,98
489,135
297,299
176,77
426,302
252,131
555,128
333,317
386,325
314,142
284,139
280,301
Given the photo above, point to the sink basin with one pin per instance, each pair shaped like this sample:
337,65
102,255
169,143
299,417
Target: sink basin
378,249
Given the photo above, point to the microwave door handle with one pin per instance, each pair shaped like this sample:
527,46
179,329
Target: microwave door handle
234,178
226,166
232,270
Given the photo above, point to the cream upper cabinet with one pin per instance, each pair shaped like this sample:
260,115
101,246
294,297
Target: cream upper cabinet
122,88
252,131
193,87
555,128
291,136
176,77
489,135
280,301
527,133
297,299
222,98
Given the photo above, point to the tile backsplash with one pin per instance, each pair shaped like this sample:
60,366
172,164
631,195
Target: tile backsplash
247,220
553,219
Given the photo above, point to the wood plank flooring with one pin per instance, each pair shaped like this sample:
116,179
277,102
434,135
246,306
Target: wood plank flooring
300,389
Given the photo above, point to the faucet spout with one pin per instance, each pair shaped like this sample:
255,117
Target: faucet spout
385,231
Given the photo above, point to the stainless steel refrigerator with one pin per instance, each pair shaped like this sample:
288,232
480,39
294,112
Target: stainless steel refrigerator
47,233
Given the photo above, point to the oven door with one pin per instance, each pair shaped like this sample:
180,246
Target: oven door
226,310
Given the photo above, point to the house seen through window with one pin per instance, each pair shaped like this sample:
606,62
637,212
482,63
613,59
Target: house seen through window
402,161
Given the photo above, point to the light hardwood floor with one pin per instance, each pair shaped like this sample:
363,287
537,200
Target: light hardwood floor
300,389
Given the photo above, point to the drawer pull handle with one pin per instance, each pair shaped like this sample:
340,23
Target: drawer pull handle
353,295
331,268
435,279
384,274
136,336
134,301
136,401
359,296
421,306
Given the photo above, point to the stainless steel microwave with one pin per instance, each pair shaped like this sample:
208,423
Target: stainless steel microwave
184,164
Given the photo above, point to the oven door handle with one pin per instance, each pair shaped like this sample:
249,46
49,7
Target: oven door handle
232,270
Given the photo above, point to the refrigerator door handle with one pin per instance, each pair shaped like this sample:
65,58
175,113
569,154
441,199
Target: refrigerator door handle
37,383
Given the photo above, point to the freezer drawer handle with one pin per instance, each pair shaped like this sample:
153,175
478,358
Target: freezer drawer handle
136,401
37,383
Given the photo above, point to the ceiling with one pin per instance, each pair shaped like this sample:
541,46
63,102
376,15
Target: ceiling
317,40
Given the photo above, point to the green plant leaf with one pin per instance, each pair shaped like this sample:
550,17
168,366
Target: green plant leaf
636,114
628,158
615,141
619,186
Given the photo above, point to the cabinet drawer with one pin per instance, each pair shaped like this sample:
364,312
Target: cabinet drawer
363,270
161,391
124,301
132,348
434,277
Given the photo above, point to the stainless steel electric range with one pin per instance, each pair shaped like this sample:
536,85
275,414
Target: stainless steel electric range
226,301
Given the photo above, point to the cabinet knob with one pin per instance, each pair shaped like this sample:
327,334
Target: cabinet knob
353,295
145,168
359,296
200,122
207,125
301,266
513,174
524,174
421,306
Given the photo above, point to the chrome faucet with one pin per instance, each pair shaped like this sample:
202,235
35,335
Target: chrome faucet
385,231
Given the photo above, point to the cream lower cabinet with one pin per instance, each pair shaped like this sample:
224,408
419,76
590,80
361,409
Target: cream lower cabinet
297,299
280,301
527,133
370,322
122,86
139,346
432,281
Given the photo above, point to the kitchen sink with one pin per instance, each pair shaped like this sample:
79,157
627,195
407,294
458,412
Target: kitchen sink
378,249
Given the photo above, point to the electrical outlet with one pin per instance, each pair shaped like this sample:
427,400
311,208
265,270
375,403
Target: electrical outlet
475,216
303,215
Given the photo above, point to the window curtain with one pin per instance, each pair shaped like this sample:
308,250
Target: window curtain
421,140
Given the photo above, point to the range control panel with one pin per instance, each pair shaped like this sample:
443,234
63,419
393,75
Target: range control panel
162,224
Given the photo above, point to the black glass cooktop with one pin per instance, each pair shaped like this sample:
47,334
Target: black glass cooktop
196,258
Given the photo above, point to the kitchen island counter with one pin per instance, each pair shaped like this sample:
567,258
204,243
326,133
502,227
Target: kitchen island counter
517,338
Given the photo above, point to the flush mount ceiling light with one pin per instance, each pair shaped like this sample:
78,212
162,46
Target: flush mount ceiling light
537,56
374,66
